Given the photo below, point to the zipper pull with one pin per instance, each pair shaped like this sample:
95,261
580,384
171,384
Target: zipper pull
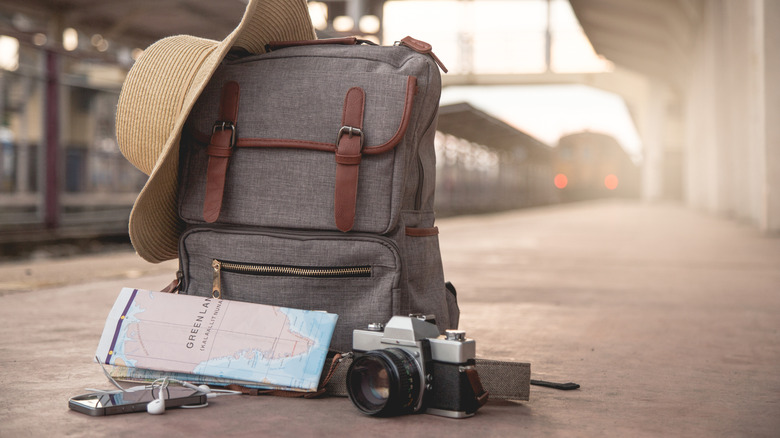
216,288
422,47
180,281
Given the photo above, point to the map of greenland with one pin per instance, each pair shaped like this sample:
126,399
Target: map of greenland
271,346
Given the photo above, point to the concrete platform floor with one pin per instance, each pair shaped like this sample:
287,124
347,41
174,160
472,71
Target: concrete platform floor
668,318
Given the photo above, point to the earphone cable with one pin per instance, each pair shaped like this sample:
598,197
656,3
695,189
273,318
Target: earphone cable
111,379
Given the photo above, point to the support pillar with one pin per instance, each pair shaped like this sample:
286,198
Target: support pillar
52,125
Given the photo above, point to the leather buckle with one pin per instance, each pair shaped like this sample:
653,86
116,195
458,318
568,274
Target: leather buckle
223,125
350,130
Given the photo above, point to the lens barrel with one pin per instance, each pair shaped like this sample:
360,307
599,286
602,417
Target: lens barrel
384,382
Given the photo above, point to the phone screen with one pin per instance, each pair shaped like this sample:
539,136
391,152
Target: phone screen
135,401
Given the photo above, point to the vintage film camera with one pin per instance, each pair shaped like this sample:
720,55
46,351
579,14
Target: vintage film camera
406,367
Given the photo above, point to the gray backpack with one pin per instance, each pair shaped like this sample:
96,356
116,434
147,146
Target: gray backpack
307,178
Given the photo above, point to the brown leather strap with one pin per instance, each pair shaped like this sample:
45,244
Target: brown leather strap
172,286
476,386
421,232
329,145
348,155
424,48
220,148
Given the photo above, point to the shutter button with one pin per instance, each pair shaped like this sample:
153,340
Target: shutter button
456,335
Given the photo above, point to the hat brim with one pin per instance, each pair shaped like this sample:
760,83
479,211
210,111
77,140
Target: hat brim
154,224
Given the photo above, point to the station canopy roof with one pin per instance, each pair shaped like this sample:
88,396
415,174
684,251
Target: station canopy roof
651,37
654,38
469,123
138,22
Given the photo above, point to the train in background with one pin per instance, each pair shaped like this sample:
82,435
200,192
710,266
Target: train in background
591,165
485,164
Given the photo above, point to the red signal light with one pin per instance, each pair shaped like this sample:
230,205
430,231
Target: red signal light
561,181
611,182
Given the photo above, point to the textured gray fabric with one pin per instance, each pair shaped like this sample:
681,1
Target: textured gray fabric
505,380
278,203
290,188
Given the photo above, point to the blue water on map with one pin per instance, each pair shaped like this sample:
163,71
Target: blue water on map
301,371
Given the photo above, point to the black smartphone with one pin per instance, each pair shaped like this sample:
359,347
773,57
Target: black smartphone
97,404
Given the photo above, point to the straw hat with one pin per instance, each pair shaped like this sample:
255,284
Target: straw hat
159,93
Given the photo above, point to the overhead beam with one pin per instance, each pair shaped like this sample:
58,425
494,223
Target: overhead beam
449,80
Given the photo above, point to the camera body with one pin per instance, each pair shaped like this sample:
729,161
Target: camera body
405,366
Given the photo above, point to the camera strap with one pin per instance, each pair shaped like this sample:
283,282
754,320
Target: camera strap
503,380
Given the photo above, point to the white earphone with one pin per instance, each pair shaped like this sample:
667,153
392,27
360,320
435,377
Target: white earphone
157,406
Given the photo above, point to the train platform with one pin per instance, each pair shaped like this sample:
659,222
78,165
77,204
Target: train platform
668,318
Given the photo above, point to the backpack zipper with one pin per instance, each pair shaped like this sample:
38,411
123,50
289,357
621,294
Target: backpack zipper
421,177
282,271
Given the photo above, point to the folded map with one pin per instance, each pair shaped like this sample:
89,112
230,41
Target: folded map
272,347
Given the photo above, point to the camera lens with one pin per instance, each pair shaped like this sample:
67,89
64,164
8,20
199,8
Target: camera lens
384,382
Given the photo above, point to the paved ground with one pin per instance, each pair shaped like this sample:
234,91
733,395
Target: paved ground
669,319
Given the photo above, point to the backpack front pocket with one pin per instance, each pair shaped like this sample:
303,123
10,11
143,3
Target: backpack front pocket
355,276
265,270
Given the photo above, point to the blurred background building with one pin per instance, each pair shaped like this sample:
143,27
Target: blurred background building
546,101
